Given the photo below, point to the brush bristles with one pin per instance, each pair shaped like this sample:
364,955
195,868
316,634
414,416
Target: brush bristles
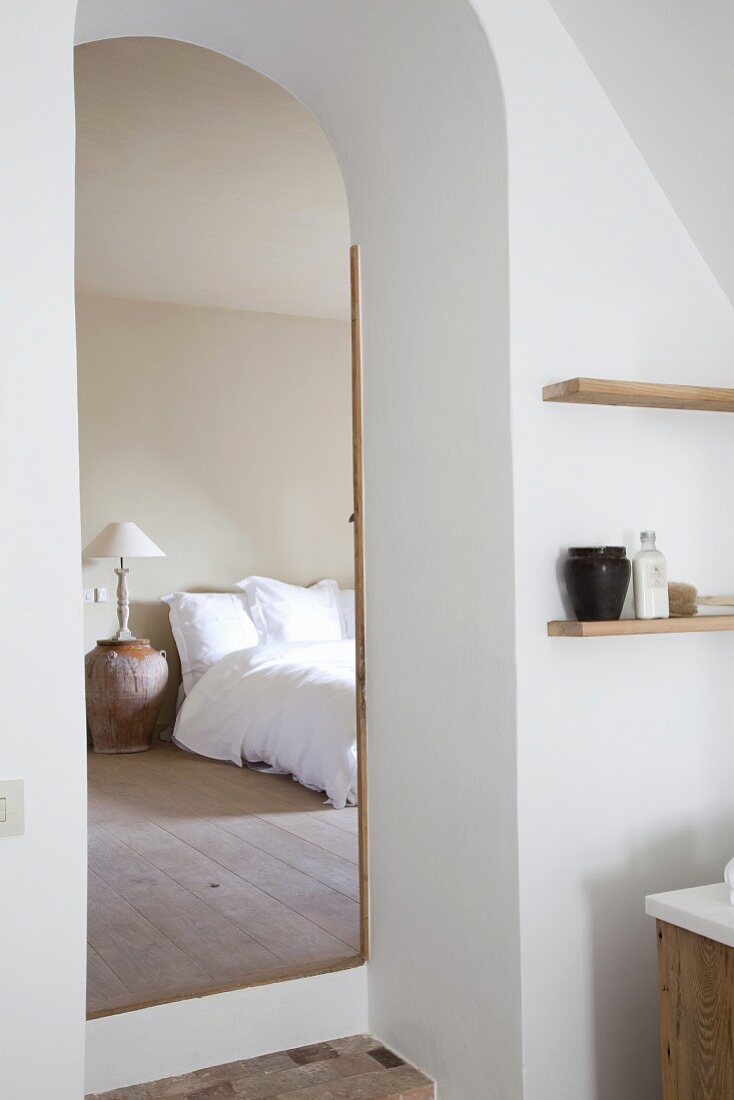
683,599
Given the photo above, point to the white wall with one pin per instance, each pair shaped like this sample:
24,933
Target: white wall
408,96
625,745
233,451
217,1030
666,66
42,874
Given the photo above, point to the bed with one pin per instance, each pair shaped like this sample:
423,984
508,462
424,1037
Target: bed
269,681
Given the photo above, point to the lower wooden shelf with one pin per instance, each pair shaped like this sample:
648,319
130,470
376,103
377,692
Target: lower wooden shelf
698,624
646,395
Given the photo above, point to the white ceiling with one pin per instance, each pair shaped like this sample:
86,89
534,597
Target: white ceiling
200,181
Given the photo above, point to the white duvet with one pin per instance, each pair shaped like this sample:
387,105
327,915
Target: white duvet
290,706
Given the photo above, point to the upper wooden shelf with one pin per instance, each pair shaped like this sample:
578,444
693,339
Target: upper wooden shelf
697,624
647,395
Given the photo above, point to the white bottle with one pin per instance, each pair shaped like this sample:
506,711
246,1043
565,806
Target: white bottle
650,580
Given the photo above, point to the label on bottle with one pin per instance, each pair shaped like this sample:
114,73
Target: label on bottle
657,575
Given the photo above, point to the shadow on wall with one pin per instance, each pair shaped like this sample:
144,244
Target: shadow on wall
623,951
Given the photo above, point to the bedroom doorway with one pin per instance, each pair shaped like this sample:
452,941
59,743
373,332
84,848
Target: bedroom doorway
219,350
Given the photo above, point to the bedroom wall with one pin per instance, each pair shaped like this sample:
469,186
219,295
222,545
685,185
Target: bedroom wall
226,436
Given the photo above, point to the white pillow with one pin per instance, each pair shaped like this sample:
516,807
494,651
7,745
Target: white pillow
287,613
206,627
346,603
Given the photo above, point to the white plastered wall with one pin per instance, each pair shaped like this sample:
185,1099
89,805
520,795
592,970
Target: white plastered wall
42,874
212,1031
625,745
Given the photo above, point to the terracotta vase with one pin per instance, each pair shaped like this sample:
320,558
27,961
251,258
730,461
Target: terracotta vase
125,682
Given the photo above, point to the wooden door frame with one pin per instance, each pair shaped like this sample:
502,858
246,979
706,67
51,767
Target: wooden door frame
359,616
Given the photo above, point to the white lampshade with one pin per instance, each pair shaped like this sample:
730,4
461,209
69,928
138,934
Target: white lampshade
122,540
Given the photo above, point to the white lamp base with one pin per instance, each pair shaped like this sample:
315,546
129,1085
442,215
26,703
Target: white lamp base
123,608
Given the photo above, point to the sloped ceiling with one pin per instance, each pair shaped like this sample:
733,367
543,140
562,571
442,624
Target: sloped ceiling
199,181
668,68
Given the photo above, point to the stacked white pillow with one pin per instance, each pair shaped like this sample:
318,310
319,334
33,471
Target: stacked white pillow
288,613
206,627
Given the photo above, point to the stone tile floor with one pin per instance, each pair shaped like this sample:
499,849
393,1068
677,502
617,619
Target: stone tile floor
358,1068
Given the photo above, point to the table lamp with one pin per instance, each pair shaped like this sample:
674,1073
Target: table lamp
122,540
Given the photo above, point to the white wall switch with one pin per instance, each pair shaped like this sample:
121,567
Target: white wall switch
100,595
89,595
12,807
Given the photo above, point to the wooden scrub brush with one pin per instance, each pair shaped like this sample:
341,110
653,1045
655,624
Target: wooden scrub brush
685,601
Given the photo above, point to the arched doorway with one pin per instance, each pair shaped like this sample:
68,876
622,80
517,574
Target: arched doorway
213,277
409,96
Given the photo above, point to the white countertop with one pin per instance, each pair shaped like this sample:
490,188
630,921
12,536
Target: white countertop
705,910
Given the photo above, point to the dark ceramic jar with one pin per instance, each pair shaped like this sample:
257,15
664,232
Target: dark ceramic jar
597,579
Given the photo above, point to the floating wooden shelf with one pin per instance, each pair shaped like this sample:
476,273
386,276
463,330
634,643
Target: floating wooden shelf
698,624
647,395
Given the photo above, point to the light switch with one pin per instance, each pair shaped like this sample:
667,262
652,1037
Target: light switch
100,595
12,807
89,595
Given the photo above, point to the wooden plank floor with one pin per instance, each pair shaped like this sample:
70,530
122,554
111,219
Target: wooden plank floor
203,875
